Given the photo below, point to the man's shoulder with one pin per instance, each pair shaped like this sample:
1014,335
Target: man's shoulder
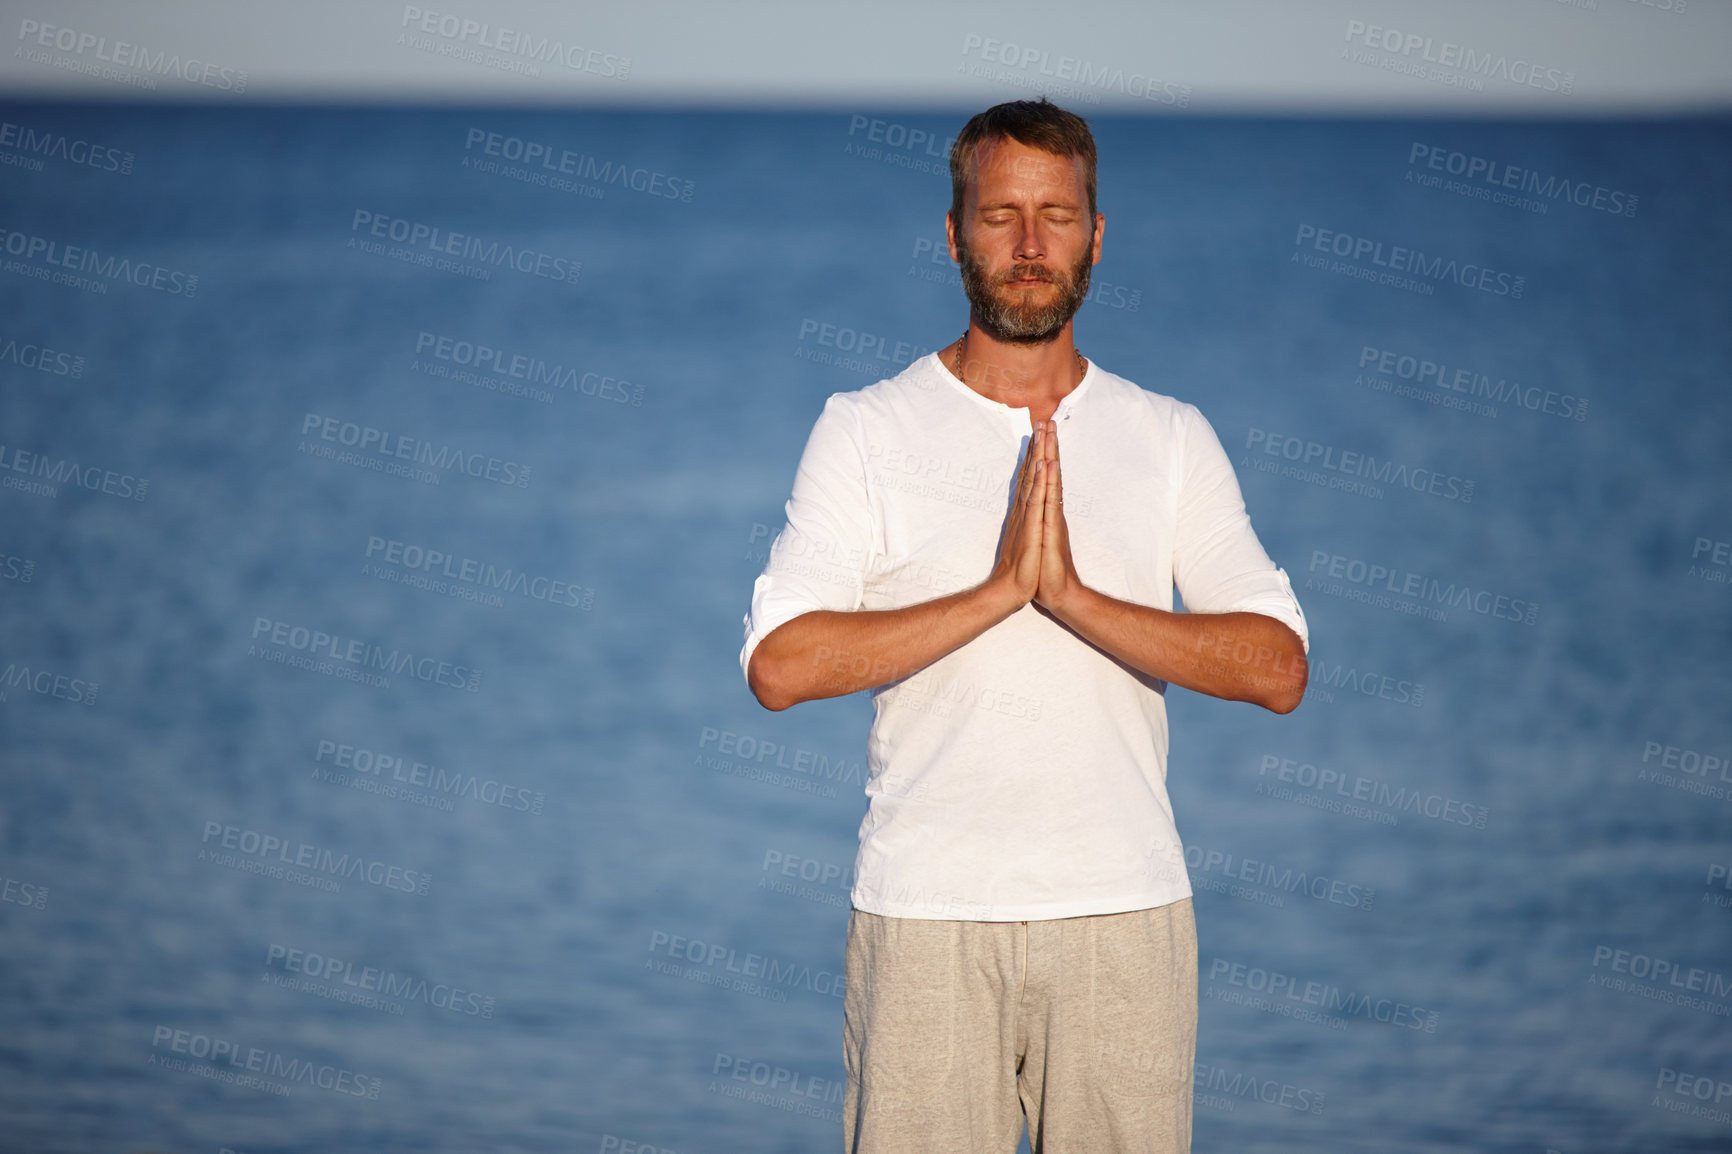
893,395
1122,392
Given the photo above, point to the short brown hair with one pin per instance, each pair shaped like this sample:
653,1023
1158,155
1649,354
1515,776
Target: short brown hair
1036,123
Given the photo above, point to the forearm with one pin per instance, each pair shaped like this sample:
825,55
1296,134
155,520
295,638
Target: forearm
1235,656
828,654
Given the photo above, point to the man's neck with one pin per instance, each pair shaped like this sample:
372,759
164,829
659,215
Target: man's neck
1035,377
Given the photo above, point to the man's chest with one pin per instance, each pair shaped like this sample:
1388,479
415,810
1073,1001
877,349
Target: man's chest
940,497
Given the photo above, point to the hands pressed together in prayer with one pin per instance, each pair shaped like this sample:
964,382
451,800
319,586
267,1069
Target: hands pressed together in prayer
1034,555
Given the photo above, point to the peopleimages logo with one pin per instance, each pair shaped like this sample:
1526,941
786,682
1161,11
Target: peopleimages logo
1351,680
270,636
437,241
484,43
1683,1092
1419,376
1503,180
862,344
1447,61
554,161
1077,78
482,358
470,572
1399,259
1252,871
385,983
1374,583
760,974
23,893
1719,553
360,762
235,1063
1335,463
42,359
51,256
779,755
1280,991
383,451
1219,1082
1322,781
122,54
775,1086
46,683
260,848
53,472
58,146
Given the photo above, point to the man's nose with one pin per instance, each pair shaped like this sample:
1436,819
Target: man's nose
1029,246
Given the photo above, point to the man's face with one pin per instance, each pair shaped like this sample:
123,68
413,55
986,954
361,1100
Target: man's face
1026,242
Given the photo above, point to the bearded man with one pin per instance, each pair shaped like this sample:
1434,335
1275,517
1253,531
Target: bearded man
1021,945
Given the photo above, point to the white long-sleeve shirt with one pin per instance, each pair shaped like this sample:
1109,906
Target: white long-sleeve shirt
1022,776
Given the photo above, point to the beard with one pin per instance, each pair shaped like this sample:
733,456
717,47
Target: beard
1006,314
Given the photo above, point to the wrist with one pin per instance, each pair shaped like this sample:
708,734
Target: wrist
1074,605
999,596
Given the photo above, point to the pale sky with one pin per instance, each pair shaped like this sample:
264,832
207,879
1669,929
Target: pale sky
1541,58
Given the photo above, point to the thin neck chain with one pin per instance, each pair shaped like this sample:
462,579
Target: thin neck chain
962,349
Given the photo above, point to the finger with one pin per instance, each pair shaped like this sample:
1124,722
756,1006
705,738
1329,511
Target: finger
1034,513
1024,485
1049,453
1023,532
1025,474
1037,454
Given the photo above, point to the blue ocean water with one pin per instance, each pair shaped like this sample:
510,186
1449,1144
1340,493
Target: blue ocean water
393,751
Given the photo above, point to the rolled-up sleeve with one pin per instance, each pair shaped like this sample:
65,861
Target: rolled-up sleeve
1219,565
819,559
